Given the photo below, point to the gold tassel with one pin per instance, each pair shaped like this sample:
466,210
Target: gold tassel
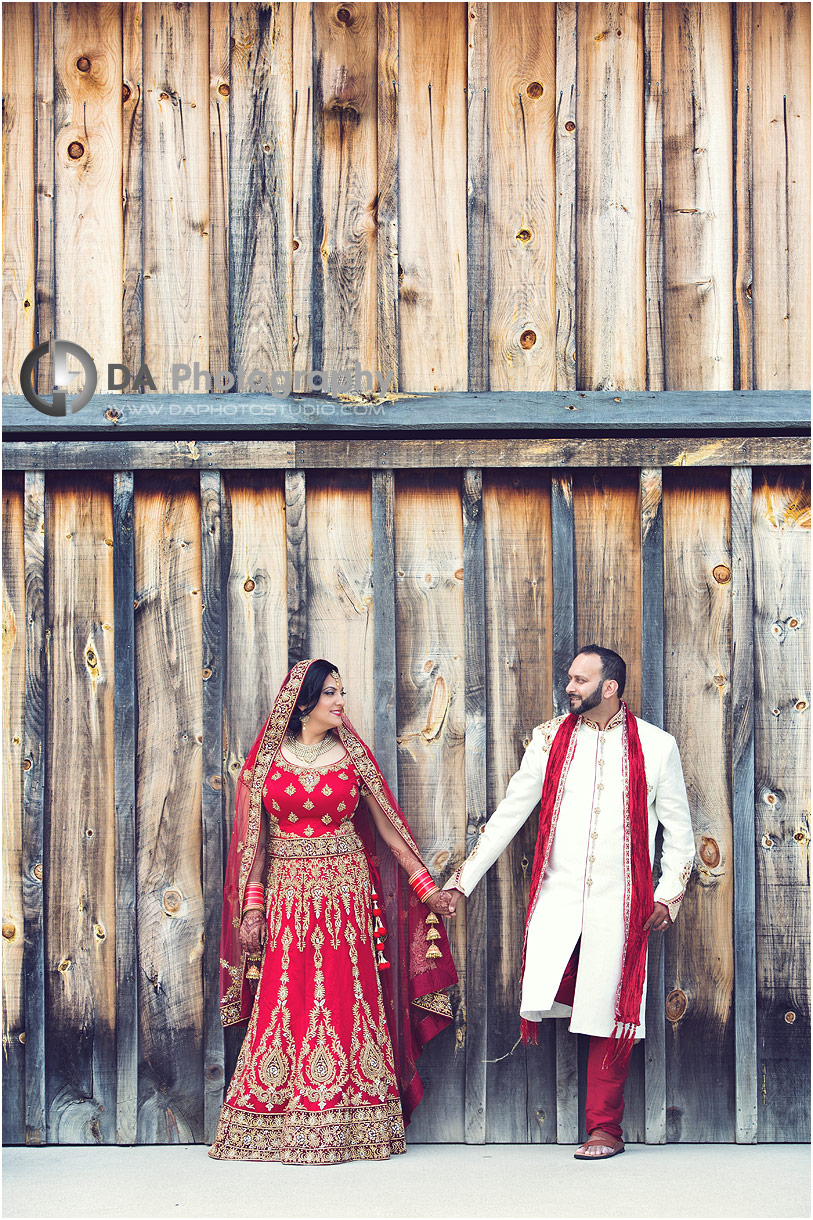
433,952
433,934
432,918
253,972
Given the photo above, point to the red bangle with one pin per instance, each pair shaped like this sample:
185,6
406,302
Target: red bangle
422,884
254,898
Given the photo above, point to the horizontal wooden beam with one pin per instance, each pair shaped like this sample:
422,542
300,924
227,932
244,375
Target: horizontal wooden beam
561,412
724,451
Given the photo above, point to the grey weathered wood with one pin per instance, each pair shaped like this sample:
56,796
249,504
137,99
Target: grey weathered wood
743,216
653,185
477,196
566,196
132,138
125,713
564,608
213,605
297,548
733,412
406,454
567,1085
384,662
652,626
387,209
474,626
742,773
36,636
44,152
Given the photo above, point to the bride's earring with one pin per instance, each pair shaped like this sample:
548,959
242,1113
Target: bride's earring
304,719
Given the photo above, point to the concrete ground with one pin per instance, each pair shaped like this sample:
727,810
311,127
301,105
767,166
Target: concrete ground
431,1180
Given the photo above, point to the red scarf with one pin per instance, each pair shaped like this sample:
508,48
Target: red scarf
639,899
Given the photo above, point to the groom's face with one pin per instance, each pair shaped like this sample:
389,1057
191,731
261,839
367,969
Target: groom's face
585,685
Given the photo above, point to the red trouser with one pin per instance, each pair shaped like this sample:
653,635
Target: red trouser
604,1106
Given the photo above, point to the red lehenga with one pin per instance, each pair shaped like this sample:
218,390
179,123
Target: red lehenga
327,1069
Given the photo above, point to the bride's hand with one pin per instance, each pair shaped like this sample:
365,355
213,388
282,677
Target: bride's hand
440,903
252,931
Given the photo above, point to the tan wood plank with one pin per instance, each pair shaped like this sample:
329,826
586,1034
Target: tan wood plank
522,198
653,182
79,863
88,178
699,950
13,730
18,191
302,242
132,152
781,195
340,585
697,197
432,196
781,525
220,107
387,179
176,189
743,46
168,662
566,57
478,236
610,241
431,729
45,304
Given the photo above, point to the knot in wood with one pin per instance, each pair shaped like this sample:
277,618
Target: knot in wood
722,574
790,1017
125,92
27,764
112,414
676,1005
99,931
21,1036
344,16
65,965
9,930
535,89
719,680
76,150
801,705
767,841
206,674
213,1072
83,63
770,798
709,851
223,90
249,586
171,902
216,782
524,235
793,623
570,125
38,872
527,340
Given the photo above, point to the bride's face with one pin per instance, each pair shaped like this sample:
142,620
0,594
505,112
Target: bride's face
328,711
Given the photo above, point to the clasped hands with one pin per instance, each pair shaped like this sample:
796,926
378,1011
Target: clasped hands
658,921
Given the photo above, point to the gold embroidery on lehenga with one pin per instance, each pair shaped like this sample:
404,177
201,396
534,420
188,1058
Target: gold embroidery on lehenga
370,1044
322,1070
311,1137
435,1001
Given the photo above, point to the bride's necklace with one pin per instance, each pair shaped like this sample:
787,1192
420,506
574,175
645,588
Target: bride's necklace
309,754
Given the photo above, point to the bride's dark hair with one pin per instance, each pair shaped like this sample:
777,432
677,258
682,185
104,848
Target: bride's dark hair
310,693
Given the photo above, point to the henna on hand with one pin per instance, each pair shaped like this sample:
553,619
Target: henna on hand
440,903
252,931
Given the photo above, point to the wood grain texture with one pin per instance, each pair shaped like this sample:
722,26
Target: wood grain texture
608,568
781,532
340,616
79,862
387,180
743,134
699,951
522,196
697,197
345,176
385,709
653,186
36,690
88,178
563,561
566,59
742,790
431,735
261,186
611,217
219,179
124,783
303,305
521,1084
479,205
296,536
132,170
781,191
13,730
18,191
168,802
176,189
432,196
45,302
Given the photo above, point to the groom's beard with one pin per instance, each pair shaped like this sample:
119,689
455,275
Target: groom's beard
578,706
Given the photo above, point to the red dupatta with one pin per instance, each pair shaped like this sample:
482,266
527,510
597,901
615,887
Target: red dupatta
417,1005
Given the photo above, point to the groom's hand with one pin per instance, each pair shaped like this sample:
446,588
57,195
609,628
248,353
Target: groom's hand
659,920
454,897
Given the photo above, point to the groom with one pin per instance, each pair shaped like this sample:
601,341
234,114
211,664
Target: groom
605,780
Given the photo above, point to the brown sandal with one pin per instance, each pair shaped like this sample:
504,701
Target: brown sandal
603,1138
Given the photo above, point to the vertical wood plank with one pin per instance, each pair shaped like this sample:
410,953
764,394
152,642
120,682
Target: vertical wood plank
697,197
36,672
168,802
132,171
566,195
432,197
387,211
213,657
781,539
431,735
477,192
652,626
385,707
474,634
743,135
521,1082
742,782
345,122
781,191
14,619
18,191
88,177
610,244
124,758
699,949
45,302
297,565
79,857
522,196
303,266
176,189
219,124
340,585
653,187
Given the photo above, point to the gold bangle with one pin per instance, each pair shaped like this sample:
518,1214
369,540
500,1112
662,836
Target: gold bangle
252,907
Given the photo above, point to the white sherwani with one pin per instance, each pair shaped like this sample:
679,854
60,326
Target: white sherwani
582,892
